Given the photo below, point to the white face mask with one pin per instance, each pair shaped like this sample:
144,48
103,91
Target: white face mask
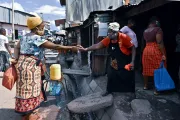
40,32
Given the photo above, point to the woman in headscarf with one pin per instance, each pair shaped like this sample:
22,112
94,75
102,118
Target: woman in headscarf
154,51
29,53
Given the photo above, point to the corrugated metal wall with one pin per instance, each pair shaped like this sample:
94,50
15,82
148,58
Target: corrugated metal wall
19,17
4,15
79,10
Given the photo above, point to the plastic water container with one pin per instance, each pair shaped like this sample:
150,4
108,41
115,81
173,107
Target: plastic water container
55,72
55,89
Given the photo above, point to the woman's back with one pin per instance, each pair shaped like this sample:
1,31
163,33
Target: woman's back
150,34
30,44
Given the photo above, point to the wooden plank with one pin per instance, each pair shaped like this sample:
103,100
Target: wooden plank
51,53
51,61
50,56
75,72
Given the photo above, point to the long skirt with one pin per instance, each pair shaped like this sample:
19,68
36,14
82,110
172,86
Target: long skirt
151,59
120,80
4,61
28,85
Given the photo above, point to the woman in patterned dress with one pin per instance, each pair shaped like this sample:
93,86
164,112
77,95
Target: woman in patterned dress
28,53
154,51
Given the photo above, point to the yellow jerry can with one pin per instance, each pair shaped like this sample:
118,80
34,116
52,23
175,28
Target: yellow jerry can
55,72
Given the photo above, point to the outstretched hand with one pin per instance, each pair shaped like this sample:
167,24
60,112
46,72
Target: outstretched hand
81,48
78,48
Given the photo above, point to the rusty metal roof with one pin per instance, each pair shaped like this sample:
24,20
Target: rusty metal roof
60,22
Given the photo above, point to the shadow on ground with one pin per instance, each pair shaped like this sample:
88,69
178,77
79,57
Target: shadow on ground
9,114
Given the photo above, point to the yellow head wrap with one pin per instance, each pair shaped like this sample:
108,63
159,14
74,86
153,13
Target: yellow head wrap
33,22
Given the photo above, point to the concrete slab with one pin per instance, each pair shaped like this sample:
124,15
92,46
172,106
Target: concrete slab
75,72
89,103
141,106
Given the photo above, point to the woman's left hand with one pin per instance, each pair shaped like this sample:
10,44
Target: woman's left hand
13,61
76,48
163,57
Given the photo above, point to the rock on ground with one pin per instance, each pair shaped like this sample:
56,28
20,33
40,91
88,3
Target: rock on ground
140,106
90,103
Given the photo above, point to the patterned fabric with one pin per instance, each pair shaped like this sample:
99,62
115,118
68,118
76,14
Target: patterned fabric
114,64
151,59
4,61
30,44
28,84
25,106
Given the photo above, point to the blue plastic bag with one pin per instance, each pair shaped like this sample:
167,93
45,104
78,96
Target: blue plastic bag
55,88
162,79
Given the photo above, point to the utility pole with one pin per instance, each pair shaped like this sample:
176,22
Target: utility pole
13,34
42,16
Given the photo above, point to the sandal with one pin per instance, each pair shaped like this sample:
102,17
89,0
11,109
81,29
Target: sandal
156,93
145,88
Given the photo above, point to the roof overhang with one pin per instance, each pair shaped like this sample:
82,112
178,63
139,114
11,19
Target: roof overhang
60,22
62,2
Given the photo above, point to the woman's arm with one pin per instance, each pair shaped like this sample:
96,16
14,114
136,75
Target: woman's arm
159,39
50,45
95,47
143,44
8,49
102,44
133,54
17,50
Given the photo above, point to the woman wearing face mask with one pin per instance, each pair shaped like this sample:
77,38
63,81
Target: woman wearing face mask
28,54
122,55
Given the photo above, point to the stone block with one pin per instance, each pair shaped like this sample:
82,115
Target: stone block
101,82
90,103
90,92
141,106
118,115
105,117
93,85
99,114
83,84
86,89
110,110
122,101
98,89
